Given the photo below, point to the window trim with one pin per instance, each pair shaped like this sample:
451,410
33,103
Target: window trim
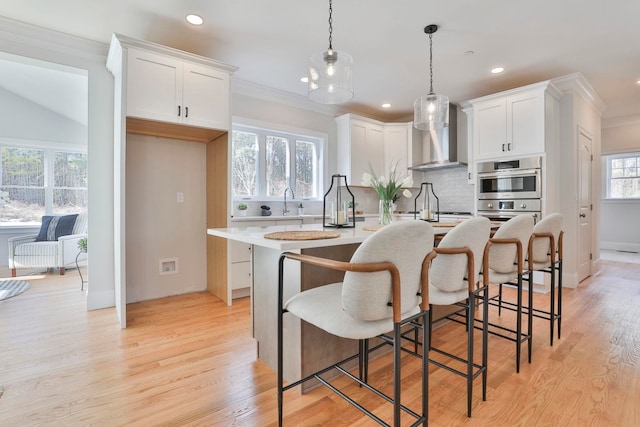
606,166
277,129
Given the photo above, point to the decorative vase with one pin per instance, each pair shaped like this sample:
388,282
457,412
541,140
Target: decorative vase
384,211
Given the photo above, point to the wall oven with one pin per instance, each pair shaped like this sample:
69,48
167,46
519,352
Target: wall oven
507,188
508,179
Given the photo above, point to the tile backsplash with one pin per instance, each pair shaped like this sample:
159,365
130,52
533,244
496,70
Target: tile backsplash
452,188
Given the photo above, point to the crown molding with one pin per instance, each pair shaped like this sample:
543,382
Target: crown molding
53,41
576,82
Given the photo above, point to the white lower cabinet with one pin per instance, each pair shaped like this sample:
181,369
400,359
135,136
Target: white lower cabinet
240,269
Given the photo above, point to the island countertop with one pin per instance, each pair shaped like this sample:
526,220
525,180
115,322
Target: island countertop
255,236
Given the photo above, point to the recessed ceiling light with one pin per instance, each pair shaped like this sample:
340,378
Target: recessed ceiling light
497,70
304,79
387,105
194,19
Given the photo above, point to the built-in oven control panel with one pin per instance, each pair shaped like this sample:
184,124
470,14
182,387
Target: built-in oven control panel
515,205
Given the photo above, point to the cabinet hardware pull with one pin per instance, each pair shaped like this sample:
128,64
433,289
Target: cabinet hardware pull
179,112
583,215
502,147
509,147
186,111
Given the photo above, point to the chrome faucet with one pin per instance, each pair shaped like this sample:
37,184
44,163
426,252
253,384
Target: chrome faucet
285,211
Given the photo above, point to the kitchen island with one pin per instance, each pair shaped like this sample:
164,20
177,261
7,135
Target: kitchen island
307,348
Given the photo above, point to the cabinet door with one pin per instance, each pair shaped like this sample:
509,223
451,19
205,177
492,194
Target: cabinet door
154,86
367,150
525,123
239,251
490,129
396,148
240,275
205,97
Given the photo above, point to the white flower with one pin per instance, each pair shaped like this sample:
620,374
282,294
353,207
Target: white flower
382,181
407,182
406,193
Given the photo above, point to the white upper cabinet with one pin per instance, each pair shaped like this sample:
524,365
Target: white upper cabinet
154,89
167,92
171,90
397,146
510,124
360,144
205,95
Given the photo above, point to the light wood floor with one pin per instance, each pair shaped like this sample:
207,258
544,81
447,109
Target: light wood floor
189,360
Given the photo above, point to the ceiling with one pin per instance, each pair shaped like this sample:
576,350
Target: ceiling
270,42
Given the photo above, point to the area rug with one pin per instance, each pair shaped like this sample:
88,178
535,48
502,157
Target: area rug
11,288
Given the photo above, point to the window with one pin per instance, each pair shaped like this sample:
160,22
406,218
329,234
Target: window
623,176
40,181
265,162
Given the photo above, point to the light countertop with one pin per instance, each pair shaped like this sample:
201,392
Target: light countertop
255,235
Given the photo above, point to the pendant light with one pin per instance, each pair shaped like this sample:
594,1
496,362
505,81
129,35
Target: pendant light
330,73
431,111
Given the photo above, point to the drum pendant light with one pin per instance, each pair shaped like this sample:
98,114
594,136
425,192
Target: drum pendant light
330,73
431,111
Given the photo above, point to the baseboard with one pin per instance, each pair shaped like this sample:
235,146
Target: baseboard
620,246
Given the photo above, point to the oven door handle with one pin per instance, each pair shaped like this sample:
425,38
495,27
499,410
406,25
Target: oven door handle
509,174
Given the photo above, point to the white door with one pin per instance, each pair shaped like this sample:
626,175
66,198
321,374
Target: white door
585,161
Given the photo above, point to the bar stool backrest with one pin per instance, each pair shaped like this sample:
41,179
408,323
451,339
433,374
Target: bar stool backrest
448,272
366,296
551,223
502,258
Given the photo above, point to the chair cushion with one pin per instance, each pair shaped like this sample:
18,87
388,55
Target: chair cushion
322,307
55,226
37,248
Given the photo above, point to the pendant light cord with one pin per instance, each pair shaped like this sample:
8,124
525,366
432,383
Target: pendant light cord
430,64
330,24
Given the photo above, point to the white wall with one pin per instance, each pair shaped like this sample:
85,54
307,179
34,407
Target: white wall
619,229
160,227
46,45
23,119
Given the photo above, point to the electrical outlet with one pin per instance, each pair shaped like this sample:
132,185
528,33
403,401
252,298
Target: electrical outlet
168,266
180,197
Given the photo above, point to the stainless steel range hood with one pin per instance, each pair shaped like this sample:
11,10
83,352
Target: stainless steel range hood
442,146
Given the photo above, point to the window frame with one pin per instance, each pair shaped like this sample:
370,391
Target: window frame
292,134
49,148
607,160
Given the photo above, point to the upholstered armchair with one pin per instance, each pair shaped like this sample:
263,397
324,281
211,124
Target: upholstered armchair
31,251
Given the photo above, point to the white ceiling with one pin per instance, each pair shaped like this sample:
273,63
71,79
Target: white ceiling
270,42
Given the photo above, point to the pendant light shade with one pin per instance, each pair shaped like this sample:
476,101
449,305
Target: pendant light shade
330,73
431,111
